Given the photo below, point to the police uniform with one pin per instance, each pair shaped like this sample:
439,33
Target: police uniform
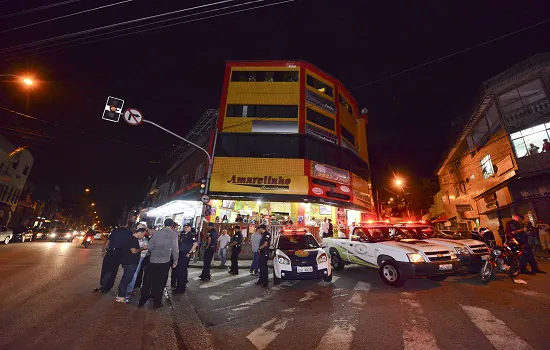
118,240
237,241
209,254
264,256
186,242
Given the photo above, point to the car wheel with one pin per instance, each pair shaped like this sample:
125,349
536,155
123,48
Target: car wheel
22,239
335,260
276,280
7,240
438,278
327,278
389,273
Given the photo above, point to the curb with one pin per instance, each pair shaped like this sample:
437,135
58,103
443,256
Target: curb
186,321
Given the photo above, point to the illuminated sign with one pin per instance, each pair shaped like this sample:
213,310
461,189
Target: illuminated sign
327,172
318,101
259,183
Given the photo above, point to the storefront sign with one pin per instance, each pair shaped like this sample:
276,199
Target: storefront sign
461,208
321,134
542,191
361,193
327,172
258,183
329,190
318,101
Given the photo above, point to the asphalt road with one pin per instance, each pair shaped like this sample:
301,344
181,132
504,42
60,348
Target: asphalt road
47,302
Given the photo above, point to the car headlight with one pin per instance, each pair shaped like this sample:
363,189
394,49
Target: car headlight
461,250
52,234
282,260
322,258
68,235
416,258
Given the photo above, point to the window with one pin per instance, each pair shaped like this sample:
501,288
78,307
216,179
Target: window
265,76
486,125
345,104
320,119
487,167
347,135
26,170
262,111
492,117
529,141
319,85
522,96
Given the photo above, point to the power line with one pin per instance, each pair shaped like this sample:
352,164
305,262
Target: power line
450,55
65,16
20,53
160,27
35,9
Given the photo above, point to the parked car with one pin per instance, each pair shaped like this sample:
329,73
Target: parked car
22,234
5,234
39,233
61,234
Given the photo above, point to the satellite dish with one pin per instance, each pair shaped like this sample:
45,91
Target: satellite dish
364,111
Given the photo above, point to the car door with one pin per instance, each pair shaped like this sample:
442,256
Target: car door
358,247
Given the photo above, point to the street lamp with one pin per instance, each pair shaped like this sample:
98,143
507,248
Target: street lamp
24,80
93,204
87,190
399,182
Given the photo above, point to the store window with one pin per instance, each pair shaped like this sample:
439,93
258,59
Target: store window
530,141
345,104
319,86
487,167
262,111
260,146
265,76
347,135
320,119
521,96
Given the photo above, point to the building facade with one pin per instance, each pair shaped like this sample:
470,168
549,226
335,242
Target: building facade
500,164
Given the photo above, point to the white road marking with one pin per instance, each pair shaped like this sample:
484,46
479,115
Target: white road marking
520,281
337,337
531,293
339,295
416,334
222,281
248,284
495,330
252,302
213,274
289,310
262,336
309,295
362,286
334,279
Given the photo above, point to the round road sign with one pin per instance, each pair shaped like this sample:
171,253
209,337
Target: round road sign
133,116
205,199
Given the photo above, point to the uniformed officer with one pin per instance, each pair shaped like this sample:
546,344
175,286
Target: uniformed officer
209,249
516,229
264,255
187,244
236,243
113,251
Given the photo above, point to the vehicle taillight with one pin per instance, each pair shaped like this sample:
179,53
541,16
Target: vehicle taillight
88,239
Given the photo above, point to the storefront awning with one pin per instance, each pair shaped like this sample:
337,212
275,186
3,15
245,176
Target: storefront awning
188,208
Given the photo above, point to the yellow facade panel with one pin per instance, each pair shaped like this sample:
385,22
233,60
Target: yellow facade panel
348,121
328,82
279,166
240,124
263,93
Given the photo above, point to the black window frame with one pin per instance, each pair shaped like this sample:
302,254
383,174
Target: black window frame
345,103
276,76
347,134
320,119
318,84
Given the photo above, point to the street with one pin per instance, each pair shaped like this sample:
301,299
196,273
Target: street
47,302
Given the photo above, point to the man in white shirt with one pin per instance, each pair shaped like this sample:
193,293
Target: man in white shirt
324,228
255,242
223,241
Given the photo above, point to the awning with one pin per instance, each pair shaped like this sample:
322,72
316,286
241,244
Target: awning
442,218
189,209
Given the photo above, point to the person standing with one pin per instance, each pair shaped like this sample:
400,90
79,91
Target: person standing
113,250
324,228
255,242
143,254
515,229
330,228
223,241
236,243
544,236
209,249
162,245
130,261
263,250
545,145
532,236
187,246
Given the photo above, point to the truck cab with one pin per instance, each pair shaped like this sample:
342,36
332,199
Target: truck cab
382,246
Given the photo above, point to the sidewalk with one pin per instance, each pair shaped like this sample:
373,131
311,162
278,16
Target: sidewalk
243,264
542,255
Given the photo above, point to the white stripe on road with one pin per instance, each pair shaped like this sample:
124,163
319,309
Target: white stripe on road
495,330
531,293
248,284
284,285
262,336
309,295
214,274
337,337
222,281
357,297
334,279
416,334
253,301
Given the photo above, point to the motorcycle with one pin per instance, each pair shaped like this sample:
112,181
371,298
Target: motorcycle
502,259
88,242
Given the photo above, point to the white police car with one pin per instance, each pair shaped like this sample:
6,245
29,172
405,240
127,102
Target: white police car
298,256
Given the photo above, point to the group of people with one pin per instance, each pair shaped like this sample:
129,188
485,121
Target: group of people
535,149
521,232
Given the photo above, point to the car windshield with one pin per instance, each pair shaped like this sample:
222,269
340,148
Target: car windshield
424,232
377,234
297,242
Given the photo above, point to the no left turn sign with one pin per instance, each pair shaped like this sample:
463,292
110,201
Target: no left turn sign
133,116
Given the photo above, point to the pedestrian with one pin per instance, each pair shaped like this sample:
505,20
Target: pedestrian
324,228
187,246
532,236
223,241
330,228
112,251
544,236
209,249
515,229
545,145
130,261
239,218
162,245
263,250
532,150
236,244
143,255
255,242
225,220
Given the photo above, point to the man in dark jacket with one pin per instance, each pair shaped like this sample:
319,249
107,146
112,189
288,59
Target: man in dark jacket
515,229
209,249
236,243
187,245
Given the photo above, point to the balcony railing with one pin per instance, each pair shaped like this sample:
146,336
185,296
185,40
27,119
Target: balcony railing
526,116
534,163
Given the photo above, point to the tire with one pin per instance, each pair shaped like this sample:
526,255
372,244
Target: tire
86,244
487,272
327,278
7,240
438,278
22,239
514,268
30,239
389,273
336,261
276,280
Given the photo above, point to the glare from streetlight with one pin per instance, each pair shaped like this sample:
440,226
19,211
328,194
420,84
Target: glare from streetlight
398,182
93,204
28,81
391,199
87,190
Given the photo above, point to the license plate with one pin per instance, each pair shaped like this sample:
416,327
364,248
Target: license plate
485,257
304,269
446,267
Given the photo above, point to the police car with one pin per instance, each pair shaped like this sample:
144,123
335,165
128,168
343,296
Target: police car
298,256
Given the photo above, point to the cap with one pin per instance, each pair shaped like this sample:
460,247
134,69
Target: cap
263,227
141,229
169,222
141,226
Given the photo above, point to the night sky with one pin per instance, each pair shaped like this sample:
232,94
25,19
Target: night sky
174,74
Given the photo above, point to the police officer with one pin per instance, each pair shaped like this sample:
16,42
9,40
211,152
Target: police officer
209,249
187,244
263,250
113,251
236,243
516,229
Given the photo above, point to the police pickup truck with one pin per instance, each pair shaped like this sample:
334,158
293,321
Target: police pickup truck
471,252
382,246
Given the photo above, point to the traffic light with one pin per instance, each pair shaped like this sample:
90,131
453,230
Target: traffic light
203,185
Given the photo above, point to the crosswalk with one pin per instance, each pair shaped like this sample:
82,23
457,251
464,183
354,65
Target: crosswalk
351,302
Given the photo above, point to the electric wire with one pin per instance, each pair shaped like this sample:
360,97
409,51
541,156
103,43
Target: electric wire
35,9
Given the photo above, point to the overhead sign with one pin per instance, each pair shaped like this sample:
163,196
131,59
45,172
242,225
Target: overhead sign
113,109
327,172
260,183
318,101
133,116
